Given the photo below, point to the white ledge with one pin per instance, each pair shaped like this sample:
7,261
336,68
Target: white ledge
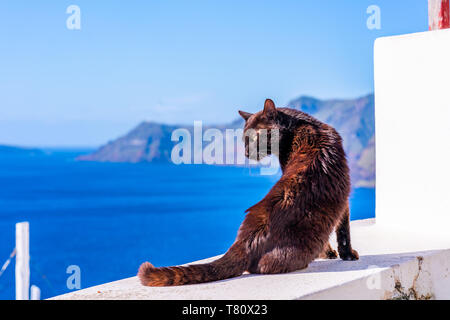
394,264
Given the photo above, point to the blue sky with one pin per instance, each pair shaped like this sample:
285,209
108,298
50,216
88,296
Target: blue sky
178,61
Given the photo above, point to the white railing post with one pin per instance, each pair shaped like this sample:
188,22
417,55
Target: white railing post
22,261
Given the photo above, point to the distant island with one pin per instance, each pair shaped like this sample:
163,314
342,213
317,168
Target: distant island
353,118
19,151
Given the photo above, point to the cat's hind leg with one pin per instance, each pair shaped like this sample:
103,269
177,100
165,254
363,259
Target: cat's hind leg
282,260
328,252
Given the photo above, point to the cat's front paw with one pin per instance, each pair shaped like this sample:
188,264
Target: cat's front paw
349,255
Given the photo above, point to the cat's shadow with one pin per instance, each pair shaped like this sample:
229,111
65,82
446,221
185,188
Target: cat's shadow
365,262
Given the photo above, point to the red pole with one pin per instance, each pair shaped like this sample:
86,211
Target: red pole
438,14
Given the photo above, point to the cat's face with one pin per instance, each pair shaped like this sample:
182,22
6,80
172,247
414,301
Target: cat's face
258,131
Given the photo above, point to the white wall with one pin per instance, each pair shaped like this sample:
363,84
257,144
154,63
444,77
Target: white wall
412,111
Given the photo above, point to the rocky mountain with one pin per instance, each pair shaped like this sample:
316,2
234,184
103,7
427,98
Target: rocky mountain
353,118
148,142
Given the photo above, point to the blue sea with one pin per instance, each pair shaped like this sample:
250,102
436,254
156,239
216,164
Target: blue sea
108,218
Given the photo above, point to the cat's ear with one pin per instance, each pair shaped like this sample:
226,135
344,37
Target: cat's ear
245,115
269,109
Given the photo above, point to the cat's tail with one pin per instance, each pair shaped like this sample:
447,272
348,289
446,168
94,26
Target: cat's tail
231,264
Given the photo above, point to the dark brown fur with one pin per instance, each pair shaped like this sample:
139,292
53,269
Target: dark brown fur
290,227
